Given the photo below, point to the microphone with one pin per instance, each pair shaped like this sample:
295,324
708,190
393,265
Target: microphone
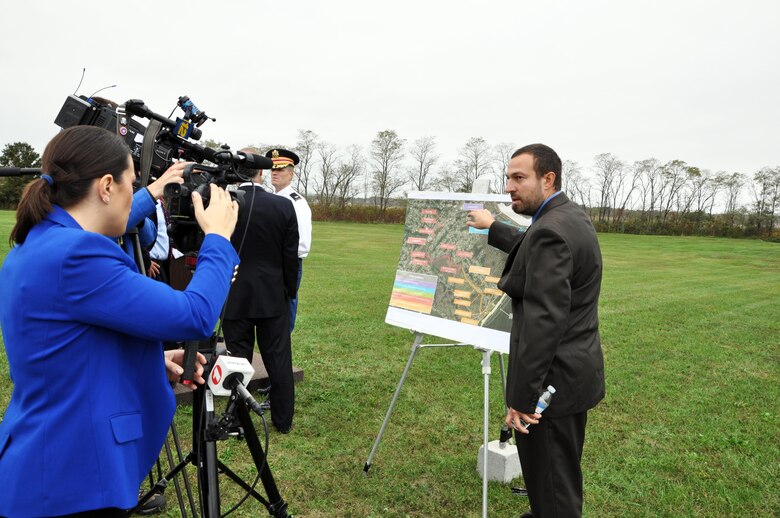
236,381
231,373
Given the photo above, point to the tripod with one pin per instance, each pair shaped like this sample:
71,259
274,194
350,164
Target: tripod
206,431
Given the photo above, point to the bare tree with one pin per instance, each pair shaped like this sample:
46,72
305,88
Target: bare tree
346,174
424,154
387,154
702,189
474,161
625,184
650,183
733,183
328,158
446,178
575,184
608,167
502,154
697,194
675,174
306,149
765,189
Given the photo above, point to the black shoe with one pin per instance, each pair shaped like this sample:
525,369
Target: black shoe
284,431
527,514
154,505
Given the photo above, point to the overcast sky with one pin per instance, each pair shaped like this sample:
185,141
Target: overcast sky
671,79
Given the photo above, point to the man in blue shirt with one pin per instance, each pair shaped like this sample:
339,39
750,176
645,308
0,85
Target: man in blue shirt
553,275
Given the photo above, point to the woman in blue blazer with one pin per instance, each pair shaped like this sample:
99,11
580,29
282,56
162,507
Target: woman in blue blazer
92,402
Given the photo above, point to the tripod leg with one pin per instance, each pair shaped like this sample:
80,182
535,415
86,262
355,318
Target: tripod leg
208,480
416,345
277,507
205,452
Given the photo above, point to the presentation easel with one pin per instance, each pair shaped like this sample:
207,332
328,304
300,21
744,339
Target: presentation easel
446,287
486,371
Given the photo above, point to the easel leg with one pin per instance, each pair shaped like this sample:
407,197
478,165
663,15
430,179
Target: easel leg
486,408
503,375
416,345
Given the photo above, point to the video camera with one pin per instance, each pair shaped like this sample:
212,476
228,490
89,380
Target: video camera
159,144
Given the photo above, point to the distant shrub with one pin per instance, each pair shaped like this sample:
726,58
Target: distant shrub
358,214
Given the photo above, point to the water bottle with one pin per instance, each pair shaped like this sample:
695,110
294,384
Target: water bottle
543,402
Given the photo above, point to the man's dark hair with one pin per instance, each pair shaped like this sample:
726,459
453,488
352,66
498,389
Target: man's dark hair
545,160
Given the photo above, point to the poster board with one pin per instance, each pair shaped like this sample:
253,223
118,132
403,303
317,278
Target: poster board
445,283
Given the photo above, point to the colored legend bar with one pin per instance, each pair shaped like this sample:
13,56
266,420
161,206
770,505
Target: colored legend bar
414,291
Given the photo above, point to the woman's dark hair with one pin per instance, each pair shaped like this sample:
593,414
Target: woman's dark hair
74,158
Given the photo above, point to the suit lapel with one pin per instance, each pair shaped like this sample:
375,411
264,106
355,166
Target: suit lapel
504,283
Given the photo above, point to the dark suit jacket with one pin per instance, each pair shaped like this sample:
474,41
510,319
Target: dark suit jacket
268,273
553,275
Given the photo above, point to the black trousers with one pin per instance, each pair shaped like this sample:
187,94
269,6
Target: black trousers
273,340
550,457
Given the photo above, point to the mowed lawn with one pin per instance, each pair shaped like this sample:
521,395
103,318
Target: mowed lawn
690,328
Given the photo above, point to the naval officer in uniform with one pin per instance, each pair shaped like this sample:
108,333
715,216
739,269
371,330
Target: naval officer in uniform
281,178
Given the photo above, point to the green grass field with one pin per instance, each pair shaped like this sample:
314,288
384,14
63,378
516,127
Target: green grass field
689,426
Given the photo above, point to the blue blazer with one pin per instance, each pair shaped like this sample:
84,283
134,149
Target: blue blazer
143,206
91,403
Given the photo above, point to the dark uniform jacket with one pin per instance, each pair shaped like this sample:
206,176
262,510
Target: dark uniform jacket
553,275
268,273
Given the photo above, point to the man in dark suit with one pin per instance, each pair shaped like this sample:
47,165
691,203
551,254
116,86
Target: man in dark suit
553,275
266,239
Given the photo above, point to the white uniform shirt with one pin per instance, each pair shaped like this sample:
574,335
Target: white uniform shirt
159,251
303,213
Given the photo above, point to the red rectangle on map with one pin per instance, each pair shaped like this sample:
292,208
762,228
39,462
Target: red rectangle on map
467,255
416,241
448,246
420,262
448,269
429,220
429,211
427,231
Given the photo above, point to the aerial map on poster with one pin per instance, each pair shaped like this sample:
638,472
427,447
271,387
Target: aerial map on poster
445,284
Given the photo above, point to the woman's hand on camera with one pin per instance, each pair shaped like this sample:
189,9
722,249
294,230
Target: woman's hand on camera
174,363
221,215
173,174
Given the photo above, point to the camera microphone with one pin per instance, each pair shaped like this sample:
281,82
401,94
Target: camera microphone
252,161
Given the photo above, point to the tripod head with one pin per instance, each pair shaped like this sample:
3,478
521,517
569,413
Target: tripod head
227,376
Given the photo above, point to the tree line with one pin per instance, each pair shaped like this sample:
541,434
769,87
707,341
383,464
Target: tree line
646,196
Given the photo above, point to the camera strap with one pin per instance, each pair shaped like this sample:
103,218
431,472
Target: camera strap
147,150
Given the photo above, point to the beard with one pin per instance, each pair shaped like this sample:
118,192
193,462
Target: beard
528,205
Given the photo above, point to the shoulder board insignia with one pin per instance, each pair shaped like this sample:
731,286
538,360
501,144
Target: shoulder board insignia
295,196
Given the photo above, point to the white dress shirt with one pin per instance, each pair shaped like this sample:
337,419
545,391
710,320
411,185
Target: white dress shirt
303,213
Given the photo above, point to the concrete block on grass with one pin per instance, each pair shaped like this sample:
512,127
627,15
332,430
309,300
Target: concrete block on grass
503,463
